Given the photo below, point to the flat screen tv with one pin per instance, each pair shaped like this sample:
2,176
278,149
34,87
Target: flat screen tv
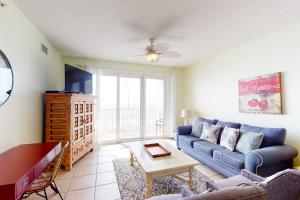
77,80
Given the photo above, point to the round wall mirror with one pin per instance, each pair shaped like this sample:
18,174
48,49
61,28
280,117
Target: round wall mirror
6,78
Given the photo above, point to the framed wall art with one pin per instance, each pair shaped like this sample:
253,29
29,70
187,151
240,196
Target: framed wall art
261,94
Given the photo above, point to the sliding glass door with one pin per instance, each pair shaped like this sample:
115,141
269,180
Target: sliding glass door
130,107
107,105
154,104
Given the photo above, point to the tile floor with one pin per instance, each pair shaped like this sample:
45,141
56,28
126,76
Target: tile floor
93,177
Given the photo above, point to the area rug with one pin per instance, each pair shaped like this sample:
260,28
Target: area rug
131,181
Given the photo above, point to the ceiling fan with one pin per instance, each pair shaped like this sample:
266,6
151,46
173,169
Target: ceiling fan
154,51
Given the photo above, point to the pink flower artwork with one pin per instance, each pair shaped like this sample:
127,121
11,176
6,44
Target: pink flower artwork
261,94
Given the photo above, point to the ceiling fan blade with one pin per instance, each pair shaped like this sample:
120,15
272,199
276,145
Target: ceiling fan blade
137,27
161,46
136,39
165,26
140,55
170,54
138,48
148,48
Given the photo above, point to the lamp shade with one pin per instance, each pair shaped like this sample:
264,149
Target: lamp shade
186,113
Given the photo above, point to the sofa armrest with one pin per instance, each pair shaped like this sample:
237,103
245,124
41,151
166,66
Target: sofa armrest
268,156
251,176
186,192
182,130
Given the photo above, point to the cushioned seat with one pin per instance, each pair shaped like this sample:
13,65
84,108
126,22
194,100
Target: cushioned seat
187,140
206,147
231,158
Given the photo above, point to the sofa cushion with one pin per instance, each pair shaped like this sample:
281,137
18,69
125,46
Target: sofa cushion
210,121
231,158
229,138
249,141
254,192
231,182
227,124
206,147
272,136
210,133
197,128
187,140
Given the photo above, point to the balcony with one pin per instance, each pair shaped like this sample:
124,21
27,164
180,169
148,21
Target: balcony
129,123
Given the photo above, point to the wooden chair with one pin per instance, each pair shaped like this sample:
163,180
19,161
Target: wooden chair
46,179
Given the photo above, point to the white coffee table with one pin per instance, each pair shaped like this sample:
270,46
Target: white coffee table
177,162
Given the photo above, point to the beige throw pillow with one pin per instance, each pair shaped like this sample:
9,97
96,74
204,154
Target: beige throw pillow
210,133
229,138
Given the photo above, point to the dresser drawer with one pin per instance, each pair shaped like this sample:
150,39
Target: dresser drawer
81,148
23,183
89,143
75,152
78,150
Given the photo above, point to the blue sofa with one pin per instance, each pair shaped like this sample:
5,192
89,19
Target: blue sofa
272,156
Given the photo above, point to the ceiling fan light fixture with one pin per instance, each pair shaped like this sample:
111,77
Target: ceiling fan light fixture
152,56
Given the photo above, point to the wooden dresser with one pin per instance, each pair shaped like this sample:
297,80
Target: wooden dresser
22,164
70,117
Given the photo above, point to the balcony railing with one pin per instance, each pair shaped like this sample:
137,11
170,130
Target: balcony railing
130,120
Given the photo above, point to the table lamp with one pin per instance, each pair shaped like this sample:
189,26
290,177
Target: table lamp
186,114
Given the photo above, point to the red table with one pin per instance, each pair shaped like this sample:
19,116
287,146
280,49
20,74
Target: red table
20,165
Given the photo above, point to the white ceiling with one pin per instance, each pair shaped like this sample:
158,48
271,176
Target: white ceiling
116,29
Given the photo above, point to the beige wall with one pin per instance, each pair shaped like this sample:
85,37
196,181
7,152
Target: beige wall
211,87
134,68
34,72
